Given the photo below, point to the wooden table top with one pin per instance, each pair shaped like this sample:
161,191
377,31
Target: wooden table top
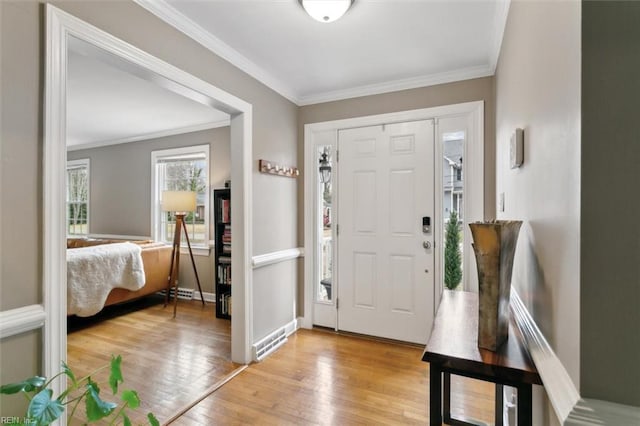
454,343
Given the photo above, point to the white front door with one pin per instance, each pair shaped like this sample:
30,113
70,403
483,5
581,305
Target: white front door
385,274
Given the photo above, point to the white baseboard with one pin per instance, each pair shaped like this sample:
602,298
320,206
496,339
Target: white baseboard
208,297
569,407
21,320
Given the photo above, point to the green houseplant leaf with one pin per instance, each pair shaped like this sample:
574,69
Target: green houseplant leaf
97,408
116,373
28,385
43,409
69,373
152,420
131,398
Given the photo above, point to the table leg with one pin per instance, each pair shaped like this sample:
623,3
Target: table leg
435,395
499,404
446,397
524,405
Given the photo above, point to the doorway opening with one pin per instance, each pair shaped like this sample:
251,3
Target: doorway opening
61,28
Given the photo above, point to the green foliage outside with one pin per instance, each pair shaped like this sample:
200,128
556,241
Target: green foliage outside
43,409
452,254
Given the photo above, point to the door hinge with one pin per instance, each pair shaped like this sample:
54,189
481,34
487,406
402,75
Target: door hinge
337,303
337,229
337,155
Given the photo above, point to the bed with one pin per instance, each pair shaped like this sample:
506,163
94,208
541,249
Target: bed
103,272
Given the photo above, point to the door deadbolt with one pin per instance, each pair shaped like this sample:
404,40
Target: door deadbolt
426,244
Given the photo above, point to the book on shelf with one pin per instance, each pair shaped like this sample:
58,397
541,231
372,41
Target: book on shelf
225,304
225,210
224,273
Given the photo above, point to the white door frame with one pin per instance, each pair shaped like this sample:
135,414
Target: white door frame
59,27
326,133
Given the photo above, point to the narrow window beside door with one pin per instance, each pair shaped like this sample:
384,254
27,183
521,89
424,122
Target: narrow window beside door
325,229
452,201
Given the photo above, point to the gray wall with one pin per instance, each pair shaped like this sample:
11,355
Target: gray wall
120,195
20,188
610,206
538,89
274,200
480,89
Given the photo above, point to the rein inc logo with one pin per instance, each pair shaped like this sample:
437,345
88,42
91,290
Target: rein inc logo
17,420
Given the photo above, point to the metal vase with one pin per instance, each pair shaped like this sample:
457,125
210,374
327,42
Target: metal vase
494,244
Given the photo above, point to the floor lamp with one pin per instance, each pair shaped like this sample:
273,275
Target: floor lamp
180,203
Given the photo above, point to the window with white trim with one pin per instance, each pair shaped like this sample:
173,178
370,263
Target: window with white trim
181,169
78,197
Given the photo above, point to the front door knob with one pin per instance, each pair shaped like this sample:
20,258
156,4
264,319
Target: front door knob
426,244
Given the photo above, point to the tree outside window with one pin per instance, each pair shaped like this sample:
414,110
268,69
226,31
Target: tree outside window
183,169
78,197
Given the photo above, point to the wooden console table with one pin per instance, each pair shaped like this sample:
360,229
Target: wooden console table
453,349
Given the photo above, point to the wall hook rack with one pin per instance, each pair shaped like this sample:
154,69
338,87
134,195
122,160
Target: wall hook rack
273,168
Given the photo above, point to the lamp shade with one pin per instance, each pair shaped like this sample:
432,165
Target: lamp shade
326,10
178,201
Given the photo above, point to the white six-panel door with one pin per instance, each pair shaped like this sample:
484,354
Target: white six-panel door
385,273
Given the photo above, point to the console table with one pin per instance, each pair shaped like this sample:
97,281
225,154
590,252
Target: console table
453,349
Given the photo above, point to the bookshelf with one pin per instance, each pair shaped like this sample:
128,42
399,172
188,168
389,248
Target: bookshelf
222,219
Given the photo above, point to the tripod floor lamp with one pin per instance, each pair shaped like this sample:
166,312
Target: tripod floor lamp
180,203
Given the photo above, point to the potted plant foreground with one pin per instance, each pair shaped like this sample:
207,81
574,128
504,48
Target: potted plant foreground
44,409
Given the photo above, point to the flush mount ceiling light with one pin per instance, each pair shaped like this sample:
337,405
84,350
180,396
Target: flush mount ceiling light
326,10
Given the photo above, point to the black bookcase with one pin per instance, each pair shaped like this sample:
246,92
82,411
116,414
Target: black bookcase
222,217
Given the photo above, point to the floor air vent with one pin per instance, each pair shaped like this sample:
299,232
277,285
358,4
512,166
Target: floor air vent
183,293
269,344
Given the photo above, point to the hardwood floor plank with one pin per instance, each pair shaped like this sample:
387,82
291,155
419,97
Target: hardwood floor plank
169,362
326,378
317,377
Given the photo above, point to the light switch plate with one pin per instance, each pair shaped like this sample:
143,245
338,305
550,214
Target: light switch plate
516,149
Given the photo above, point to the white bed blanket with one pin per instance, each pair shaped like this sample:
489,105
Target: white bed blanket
92,272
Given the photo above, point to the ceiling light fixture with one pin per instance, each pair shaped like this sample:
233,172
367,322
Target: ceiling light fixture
326,10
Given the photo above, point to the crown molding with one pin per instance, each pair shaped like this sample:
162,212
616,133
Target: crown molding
499,25
167,13
397,85
153,135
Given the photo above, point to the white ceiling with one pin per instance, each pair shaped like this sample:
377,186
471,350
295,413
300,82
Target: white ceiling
107,103
378,46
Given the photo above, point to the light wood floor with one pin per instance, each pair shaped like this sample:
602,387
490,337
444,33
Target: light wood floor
169,362
317,377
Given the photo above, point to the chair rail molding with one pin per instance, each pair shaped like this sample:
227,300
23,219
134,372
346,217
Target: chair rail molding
569,407
21,320
276,257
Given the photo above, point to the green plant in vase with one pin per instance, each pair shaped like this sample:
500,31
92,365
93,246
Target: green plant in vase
44,409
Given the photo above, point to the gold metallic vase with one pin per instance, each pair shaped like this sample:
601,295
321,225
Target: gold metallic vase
494,244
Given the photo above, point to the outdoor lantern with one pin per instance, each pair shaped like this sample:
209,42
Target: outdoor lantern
325,168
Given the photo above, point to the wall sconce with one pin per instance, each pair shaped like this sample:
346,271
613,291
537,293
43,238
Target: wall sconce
325,168
269,167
